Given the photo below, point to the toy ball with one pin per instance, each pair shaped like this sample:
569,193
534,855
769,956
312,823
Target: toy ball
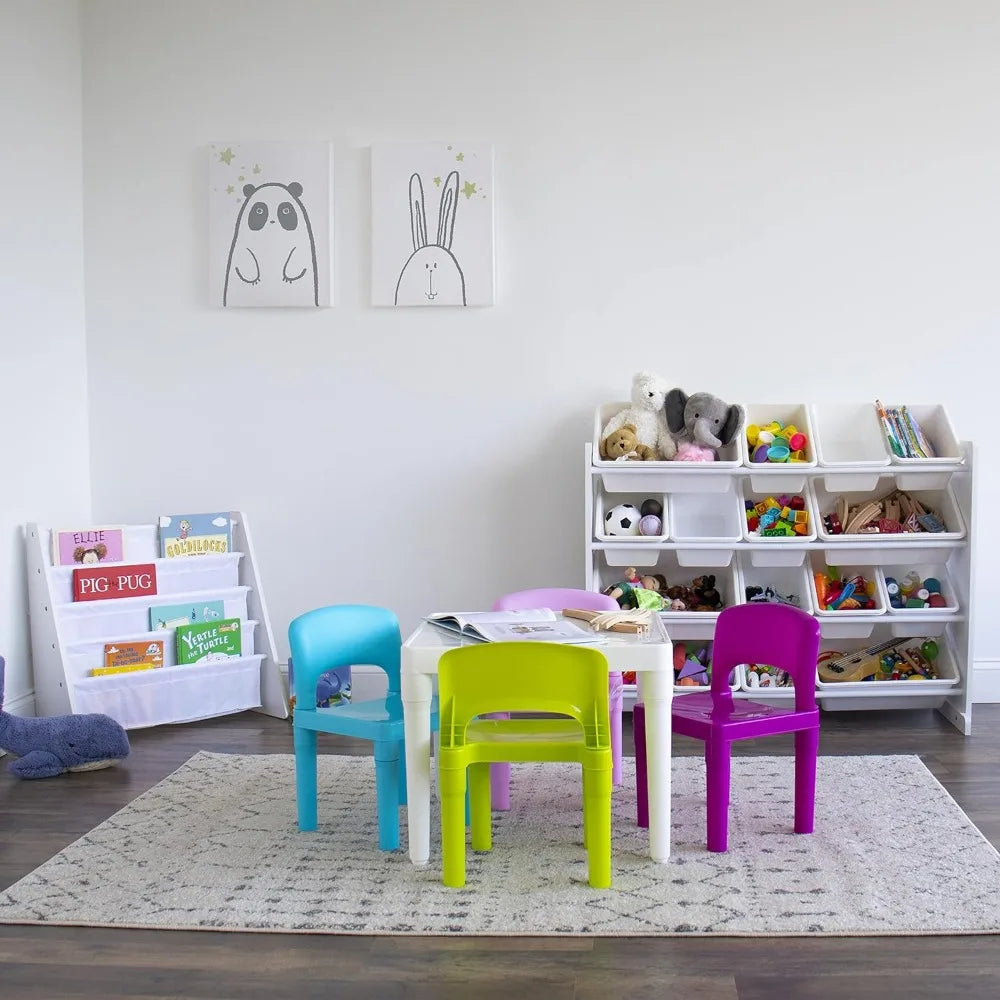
651,506
622,519
650,524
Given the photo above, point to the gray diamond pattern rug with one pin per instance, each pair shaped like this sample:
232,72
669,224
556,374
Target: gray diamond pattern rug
215,846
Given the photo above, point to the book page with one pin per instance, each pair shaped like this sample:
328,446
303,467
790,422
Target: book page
459,619
527,631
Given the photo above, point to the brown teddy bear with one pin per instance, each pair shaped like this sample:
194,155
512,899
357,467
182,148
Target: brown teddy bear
623,443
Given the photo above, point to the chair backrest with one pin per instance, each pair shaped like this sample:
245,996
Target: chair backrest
524,677
339,635
555,598
778,634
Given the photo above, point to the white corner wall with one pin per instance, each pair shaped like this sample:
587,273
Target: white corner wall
43,350
770,201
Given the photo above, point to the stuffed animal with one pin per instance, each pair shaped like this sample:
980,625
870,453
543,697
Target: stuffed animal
622,444
646,415
49,746
700,424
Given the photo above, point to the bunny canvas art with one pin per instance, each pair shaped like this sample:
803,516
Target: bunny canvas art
436,247
431,272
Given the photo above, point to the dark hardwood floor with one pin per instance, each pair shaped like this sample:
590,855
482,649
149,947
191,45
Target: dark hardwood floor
38,818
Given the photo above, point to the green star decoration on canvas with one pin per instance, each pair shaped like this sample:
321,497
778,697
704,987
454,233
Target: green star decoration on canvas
256,168
468,189
230,189
226,156
460,156
437,181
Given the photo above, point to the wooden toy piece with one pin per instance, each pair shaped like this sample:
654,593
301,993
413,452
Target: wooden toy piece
636,622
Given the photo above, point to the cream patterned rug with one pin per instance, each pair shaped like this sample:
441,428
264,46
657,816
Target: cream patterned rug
215,846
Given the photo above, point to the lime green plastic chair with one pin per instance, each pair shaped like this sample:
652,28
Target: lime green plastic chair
537,677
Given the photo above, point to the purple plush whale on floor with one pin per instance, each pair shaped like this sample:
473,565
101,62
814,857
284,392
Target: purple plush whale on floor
49,746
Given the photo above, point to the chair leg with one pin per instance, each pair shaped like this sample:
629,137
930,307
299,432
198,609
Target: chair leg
387,794
305,776
402,773
597,825
717,768
479,807
806,752
615,686
641,788
453,799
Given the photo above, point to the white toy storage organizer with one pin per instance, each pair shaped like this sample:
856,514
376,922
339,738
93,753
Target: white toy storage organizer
705,532
67,636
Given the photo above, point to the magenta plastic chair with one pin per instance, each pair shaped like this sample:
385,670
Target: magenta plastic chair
784,637
558,598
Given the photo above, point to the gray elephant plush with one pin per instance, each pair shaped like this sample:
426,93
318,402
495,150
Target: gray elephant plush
701,424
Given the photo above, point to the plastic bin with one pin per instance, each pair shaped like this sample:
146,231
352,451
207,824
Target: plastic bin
872,549
703,519
785,580
694,646
858,622
764,473
850,443
789,550
661,476
936,425
919,621
605,502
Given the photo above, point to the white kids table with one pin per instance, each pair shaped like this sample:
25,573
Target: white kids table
650,656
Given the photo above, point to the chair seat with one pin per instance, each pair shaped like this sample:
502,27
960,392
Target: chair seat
695,714
356,718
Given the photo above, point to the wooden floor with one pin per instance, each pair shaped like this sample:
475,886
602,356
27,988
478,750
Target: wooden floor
38,818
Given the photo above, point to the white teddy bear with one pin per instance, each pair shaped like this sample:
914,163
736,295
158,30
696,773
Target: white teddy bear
649,393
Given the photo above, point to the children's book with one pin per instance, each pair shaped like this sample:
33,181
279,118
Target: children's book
332,688
128,668
195,534
84,546
98,583
537,624
172,615
203,642
147,653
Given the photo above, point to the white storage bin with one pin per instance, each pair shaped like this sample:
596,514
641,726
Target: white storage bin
785,580
172,694
173,576
661,476
694,646
789,550
679,624
937,429
705,519
82,657
605,502
850,442
876,695
858,622
874,549
919,621
766,474
130,615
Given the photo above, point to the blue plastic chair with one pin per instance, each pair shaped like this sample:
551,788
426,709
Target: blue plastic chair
336,636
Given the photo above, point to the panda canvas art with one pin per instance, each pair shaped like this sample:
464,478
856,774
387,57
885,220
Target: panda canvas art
270,224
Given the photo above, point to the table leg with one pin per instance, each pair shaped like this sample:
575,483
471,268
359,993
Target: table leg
416,692
657,693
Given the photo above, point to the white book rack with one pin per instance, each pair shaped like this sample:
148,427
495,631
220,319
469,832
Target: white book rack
67,636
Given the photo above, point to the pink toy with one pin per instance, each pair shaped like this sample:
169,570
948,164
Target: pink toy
691,452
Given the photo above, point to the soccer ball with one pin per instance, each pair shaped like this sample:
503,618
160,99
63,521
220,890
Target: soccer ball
622,519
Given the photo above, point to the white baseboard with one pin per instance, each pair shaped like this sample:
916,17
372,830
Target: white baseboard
24,705
986,681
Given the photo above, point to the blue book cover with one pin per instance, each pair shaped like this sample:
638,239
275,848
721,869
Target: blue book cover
195,534
332,688
172,615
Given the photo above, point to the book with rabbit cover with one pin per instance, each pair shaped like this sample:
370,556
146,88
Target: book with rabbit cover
172,615
205,641
195,534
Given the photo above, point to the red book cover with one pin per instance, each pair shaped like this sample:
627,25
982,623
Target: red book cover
99,583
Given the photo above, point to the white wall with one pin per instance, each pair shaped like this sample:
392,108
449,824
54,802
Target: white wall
771,201
43,350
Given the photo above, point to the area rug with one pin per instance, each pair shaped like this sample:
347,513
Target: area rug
215,846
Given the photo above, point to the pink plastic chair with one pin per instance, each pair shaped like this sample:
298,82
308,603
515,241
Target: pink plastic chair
558,598
784,637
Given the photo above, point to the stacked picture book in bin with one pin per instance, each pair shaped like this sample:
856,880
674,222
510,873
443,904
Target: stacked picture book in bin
151,623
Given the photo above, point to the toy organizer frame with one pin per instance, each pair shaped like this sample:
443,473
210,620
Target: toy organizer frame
717,491
65,634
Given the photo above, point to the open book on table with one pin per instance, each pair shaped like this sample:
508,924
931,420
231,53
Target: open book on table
538,624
